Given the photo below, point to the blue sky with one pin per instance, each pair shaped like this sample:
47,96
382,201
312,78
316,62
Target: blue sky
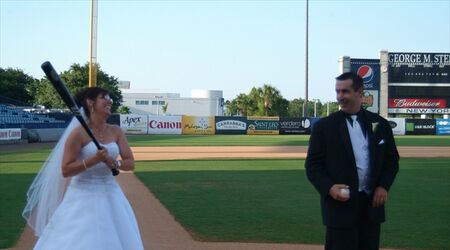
177,46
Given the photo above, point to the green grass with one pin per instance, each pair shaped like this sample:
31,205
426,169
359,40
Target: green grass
237,200
12,200
271,200
262,140
419,206
418,211
423,140
17,171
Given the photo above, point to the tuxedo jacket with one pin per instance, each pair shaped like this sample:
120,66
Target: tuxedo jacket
330,161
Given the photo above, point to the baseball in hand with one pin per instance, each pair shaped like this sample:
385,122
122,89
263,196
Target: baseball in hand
345,192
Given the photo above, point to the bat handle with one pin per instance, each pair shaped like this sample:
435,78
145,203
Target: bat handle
115,172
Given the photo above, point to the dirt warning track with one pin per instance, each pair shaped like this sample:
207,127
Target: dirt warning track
214,152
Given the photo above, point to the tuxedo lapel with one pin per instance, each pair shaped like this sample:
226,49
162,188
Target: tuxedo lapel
368,123
371,136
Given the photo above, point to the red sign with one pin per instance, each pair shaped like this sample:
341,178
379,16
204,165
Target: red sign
417,103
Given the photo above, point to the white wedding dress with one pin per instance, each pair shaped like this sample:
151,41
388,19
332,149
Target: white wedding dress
94,213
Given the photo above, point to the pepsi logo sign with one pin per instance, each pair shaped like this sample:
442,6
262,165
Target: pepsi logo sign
366,73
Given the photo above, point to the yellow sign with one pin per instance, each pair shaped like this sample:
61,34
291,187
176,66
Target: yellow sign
198,125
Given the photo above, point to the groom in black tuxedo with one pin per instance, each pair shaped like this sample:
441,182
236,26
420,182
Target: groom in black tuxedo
352,162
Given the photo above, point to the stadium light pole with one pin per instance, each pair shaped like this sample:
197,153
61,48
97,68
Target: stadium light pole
315,106
93,45
158,97
328,108
305,105
303,111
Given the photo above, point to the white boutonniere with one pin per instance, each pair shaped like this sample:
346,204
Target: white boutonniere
374,127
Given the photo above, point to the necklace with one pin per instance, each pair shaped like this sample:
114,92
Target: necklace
99,133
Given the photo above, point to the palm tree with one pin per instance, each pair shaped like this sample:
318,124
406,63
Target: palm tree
164,107
231,108
269,96
255,96
243,103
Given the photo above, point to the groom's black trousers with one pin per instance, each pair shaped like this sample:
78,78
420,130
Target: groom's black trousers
364,236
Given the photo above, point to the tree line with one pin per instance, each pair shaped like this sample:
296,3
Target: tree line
260,101
268,101
16,84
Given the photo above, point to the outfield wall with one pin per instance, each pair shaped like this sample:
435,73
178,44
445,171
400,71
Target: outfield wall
259,125
226,125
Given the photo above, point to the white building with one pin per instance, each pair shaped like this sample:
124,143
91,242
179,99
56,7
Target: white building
150,102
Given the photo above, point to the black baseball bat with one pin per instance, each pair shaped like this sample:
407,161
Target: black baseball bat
68,99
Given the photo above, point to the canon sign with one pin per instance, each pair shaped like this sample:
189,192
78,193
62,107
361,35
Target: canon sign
417,103
164,124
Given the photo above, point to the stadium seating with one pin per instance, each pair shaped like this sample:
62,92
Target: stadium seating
15,117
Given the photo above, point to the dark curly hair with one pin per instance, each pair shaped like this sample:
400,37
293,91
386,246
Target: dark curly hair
89,93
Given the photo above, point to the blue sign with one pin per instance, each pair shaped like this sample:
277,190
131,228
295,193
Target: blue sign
231,125
369,70
443,126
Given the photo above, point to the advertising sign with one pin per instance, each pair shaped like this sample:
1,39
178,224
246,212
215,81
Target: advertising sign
409,68
289,126
370,100
231,125
397,125
10,134
416,103
133,124
420,127
165,125
418,106
443,126
263,125
369,71
198,125
419,111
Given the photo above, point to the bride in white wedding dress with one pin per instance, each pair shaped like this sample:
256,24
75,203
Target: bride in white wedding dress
74,201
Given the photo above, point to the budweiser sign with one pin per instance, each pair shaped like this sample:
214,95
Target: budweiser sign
417,103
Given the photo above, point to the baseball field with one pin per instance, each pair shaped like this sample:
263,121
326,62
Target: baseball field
243,192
